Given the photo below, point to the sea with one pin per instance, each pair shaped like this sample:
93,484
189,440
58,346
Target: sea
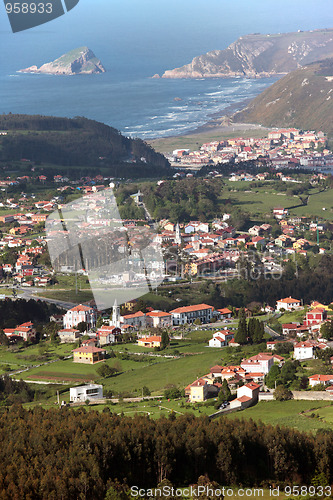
138,106
135,40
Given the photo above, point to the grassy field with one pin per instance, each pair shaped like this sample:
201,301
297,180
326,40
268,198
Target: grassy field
26,357
288,414
194,141
260,201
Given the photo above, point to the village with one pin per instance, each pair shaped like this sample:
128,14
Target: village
282,147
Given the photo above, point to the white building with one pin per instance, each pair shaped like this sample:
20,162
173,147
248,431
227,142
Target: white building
159,319
84,392
261,363
189,314
69,335
78,314
221,338
303,350
288,304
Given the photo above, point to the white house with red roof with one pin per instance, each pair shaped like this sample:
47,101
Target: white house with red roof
137,319
26,331
247,395
320,379
108,334
221,338
159,319
224,313
304,350
288,304
79,314
260,363
189,314
69,335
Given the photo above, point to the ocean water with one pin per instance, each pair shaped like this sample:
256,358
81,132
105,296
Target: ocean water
135,40
139,107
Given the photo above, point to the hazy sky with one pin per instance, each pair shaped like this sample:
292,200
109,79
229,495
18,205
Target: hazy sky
165,31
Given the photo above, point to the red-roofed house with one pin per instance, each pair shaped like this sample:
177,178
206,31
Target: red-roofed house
88,355
137,319
153,341
288,304
189,314
69,335
221,338
260,363
159,319
303,350
315,317
108,334
320,379
78,314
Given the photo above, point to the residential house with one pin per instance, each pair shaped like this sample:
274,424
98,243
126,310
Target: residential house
85,392
320,379
137,319
108,334
88,355
153,341
315,316
288,304
304,350
69,335
261,363
159,319
25,331
221,338
80,314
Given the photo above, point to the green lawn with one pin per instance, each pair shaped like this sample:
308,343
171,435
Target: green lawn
287,413
292,317
19,358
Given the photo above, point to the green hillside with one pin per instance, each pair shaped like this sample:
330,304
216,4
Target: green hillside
78,141
302,99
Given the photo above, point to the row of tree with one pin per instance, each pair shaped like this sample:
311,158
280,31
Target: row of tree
251,332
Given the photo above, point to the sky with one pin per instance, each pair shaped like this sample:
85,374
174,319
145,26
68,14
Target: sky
165,32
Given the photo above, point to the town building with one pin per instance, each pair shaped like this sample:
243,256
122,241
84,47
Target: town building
85,392
88,355
189,314
79,314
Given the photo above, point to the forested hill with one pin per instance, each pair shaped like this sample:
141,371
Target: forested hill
302,99
76,142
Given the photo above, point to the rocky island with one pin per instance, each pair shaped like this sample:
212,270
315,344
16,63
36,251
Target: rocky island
260,55
81,61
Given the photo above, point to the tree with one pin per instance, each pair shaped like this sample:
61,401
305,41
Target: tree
164,339
106,370
282,394
272,376
145,391
4,340
326,330
224,393
197,321
241,334
82,326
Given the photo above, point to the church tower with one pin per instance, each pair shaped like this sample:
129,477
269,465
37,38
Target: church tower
116,315
178,238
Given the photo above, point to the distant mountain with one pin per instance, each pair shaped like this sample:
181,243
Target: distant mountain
258,55
302,99
66,142
81,61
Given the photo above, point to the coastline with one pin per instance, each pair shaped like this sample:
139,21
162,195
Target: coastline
219,126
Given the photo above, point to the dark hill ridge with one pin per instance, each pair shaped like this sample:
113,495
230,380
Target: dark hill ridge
74,142
301,99
259,55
